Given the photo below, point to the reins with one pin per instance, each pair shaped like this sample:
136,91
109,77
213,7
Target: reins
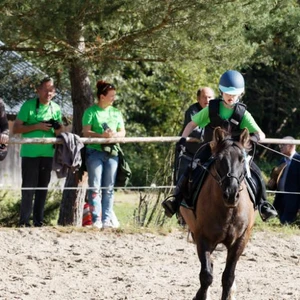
220,179
278,152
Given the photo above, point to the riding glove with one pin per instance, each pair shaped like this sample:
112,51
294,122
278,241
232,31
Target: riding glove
180,145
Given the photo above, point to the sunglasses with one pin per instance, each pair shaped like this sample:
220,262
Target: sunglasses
108,87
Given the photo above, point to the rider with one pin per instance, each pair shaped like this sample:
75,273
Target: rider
226,112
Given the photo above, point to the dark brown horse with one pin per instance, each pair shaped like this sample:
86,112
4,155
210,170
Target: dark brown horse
224,212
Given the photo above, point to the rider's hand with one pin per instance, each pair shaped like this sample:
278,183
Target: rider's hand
180,145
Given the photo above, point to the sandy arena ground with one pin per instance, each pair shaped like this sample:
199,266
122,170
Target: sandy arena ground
61,263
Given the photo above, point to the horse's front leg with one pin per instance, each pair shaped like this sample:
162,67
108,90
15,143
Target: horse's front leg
228,275
189,217
206,271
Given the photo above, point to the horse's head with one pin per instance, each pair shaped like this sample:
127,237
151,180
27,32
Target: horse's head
229,163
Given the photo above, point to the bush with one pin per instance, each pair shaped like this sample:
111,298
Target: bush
10,202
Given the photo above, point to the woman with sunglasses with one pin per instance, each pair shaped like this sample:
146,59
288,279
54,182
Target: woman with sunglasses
102,120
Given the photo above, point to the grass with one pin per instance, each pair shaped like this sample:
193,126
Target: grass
274,225
126,208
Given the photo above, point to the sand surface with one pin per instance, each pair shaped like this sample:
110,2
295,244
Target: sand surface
62,263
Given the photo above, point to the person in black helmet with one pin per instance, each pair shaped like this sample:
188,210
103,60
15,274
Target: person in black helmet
226,112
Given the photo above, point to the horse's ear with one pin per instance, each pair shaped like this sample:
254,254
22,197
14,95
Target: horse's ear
244,137
218,136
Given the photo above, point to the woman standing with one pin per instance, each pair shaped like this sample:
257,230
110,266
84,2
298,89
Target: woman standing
102,120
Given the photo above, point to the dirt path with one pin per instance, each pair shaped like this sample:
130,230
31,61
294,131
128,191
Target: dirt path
48,263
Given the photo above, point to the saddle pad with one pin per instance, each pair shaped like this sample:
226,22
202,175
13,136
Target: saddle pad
196,182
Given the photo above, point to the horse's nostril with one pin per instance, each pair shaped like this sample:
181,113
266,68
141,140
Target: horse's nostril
225,195
231,197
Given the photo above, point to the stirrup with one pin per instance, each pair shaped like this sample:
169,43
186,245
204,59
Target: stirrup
269,211
170,206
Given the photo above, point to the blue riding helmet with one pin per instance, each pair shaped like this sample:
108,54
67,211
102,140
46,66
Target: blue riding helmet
232,83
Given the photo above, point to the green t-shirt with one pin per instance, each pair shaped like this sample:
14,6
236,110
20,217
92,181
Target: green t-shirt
202,118
97,116
31,113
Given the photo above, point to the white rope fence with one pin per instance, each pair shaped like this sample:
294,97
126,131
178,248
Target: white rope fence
99,140
124,140
161,139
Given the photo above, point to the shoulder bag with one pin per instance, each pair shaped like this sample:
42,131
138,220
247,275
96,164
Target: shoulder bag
123,172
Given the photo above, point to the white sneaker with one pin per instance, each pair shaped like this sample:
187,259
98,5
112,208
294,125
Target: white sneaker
116,224
107,224
97,224
114,220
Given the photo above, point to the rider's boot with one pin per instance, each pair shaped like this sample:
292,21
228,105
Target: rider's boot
172,203
266,210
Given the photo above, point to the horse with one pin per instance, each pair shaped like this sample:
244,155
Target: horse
224,213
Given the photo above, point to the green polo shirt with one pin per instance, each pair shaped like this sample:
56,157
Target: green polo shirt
31,113
202,118
97,116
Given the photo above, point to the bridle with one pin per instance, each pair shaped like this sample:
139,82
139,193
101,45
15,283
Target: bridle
220,179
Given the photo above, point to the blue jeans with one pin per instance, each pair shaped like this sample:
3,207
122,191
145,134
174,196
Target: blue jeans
102,171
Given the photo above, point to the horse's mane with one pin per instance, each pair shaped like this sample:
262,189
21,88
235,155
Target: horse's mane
219,147
222,140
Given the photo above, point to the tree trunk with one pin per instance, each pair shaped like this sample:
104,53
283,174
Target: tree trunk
82,97
71,207
73,199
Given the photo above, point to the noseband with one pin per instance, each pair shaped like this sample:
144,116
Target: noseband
220,179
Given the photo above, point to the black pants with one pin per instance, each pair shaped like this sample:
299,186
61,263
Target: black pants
181,164
36,173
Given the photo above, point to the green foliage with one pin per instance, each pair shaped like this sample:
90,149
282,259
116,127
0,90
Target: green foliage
52,207
275,226
272,80
266,167
158,53
10,207
152,99
275,109
134,210
141,30
184,38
